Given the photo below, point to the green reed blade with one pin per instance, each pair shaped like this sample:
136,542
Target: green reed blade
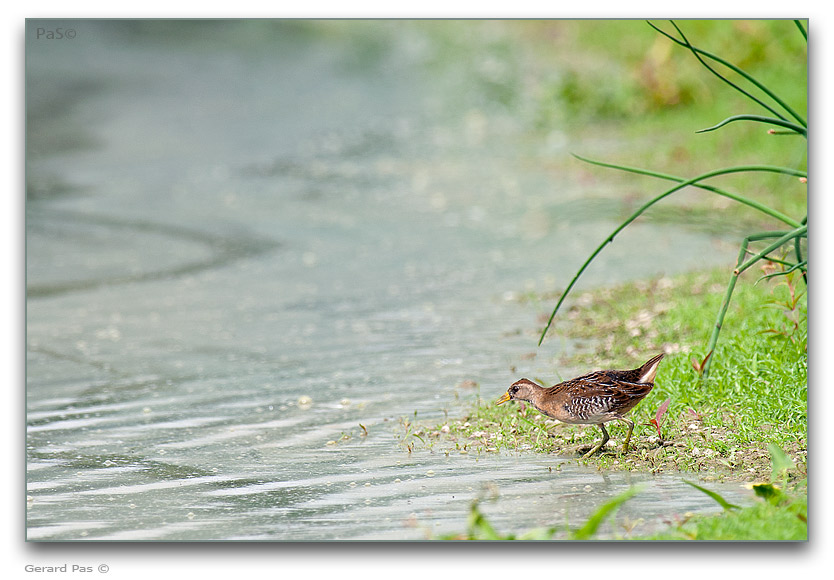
760,119
797,248
648,204
722,77
721,501
596,519
739,198
697,51
801,29
800,266
741,267
798,232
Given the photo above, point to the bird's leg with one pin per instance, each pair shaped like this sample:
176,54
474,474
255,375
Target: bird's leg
601,443
628,436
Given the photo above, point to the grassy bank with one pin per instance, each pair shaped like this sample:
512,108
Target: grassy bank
718,427
746,422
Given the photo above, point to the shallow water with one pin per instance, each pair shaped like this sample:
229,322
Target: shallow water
246,240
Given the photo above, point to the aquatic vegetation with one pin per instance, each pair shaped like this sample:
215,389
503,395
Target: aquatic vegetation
478,526
779,515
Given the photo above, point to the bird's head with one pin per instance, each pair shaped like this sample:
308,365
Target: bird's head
522,390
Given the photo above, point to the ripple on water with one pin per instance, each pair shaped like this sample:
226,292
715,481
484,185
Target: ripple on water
225,324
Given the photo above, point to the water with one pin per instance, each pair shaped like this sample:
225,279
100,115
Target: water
253,247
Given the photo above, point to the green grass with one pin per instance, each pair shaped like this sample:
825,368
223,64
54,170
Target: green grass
787,520
758,390
721,426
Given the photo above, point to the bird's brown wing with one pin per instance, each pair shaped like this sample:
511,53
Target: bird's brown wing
642,375
600,393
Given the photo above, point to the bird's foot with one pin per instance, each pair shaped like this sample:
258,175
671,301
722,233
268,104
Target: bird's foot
592,451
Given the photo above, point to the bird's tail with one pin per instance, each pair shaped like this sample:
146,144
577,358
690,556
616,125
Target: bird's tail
649,370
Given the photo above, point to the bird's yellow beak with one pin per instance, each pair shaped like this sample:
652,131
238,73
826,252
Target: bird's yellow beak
504,398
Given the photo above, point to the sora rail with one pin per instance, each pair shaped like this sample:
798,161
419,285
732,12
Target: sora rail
592,399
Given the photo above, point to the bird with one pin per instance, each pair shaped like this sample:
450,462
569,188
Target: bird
592,399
